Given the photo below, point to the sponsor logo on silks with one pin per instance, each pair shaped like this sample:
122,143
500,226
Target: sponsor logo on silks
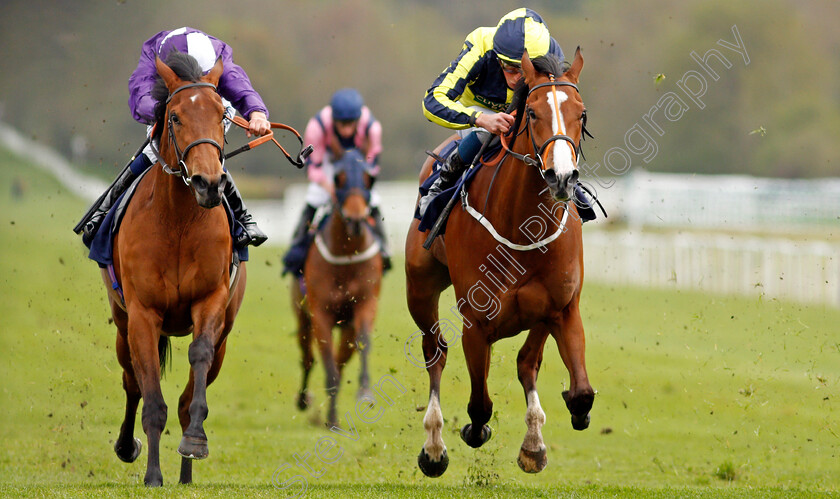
489,104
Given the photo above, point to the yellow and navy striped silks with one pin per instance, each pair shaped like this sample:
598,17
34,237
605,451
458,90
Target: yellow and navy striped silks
475,78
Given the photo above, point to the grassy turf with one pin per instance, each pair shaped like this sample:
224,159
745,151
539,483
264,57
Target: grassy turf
698,395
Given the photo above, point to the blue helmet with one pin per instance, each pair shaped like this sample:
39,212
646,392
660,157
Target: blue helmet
346,105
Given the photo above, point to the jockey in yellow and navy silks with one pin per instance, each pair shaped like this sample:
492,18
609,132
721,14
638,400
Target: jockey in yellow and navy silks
471,95
475,80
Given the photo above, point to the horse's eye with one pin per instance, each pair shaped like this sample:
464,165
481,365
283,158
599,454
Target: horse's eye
174,119
532,114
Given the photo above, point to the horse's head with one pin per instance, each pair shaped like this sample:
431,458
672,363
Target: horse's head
352,188
555,118
190,126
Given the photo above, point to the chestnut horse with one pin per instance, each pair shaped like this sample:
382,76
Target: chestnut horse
172,257
342,277
507,275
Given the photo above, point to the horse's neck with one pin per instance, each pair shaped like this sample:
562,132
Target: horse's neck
172,196
516,193
340,241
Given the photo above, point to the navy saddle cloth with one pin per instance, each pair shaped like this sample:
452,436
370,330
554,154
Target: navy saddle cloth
439,203
102,246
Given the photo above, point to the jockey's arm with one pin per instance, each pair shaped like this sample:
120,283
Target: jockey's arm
442,103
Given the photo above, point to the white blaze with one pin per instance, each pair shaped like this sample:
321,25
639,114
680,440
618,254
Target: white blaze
564,161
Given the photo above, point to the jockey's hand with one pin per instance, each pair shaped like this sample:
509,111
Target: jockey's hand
495,123
258,124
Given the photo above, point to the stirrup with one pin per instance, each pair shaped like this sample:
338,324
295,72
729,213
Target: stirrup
91,228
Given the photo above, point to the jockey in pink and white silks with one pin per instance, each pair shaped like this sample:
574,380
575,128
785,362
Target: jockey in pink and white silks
237,94
346,123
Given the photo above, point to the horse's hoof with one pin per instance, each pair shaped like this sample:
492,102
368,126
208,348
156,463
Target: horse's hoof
304,400
193,448
532,461
579,408
486,433
135,452
431,468
580,423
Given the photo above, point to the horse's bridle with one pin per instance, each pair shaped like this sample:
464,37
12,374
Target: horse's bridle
182,170
537,160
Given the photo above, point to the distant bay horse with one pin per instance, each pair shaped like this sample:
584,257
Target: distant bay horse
486,255
172,258
342,277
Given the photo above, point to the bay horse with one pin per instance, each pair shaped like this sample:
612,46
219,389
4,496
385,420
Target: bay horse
172,259
506,280
342,279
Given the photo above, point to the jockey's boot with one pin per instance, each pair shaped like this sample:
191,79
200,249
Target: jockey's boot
379,231
251,234
117,188
294,259
450,172
584,204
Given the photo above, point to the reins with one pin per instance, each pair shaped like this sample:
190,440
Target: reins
297,161
180,155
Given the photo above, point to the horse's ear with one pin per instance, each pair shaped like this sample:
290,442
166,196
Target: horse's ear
169,76
577,64
528,69
215,73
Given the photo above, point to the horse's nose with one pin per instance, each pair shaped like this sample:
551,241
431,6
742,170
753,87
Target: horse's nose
569,180
562,187
208,191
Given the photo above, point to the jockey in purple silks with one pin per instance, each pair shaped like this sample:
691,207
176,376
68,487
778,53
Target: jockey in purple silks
237,95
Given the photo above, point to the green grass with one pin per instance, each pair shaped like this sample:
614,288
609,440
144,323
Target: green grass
698,395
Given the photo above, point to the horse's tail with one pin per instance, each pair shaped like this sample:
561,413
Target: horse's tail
164,353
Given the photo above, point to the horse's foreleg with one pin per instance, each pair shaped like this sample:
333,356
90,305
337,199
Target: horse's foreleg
127,447
532,454
572,345
423,305
480,407
207,319
307,358
184,406
143,336
365,314
304,335
322,323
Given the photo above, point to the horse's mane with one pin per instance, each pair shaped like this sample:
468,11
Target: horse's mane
186,68
549,64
